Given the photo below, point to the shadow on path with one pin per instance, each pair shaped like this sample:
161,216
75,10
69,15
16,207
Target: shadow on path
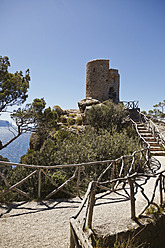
39,206
123,194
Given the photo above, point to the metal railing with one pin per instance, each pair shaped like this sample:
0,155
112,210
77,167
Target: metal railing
131,104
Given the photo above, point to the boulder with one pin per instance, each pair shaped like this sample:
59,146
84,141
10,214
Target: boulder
87,103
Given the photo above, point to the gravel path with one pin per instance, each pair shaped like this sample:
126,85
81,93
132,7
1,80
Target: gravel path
32,224
46,224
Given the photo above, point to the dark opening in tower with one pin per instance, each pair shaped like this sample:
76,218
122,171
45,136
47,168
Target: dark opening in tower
111,91
112,94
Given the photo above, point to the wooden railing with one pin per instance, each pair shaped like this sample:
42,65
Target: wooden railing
131,179
115,167
38,169
117,171
81,230
78,236
142,141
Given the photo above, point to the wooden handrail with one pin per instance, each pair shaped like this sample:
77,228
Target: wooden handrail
131,179
76,235
140,136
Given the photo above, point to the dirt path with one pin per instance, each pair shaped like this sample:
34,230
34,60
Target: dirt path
35,224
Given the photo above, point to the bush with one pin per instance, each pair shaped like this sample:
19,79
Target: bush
63,119
4,169
79,120
58,109
68,148
72,115
70,121
106,116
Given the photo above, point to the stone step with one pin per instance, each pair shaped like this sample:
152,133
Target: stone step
155,148
141,127
147,135
140,124
153,143
150,139
158,153
143,131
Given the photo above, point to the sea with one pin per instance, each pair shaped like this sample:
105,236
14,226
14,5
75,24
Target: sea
17,148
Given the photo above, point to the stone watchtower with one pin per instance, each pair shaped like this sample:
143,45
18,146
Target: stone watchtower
102,83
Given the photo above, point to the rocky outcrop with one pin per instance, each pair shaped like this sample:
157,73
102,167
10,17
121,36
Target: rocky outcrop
87,103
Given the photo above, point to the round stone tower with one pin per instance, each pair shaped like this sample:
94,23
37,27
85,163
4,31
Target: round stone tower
96,78
102,83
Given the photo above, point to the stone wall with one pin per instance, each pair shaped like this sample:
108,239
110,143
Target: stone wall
150,235
102,83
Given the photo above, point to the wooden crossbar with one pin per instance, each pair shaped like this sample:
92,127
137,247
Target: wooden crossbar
13,187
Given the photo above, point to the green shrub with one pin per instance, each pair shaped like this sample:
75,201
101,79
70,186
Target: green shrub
58,109
79,120
63,119
72,115
70,121
4,169
106,116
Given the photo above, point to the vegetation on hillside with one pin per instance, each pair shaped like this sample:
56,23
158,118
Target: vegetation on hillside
107,136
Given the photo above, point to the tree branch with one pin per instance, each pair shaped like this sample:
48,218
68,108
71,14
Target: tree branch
11,140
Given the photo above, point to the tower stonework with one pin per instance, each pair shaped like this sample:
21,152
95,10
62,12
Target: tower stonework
102,83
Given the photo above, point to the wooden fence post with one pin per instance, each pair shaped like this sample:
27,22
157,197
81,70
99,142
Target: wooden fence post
78,181
113,175
161,194
39,184
91,206
72,243
132,198
148,154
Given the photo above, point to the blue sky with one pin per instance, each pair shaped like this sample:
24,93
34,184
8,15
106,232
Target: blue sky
56,38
